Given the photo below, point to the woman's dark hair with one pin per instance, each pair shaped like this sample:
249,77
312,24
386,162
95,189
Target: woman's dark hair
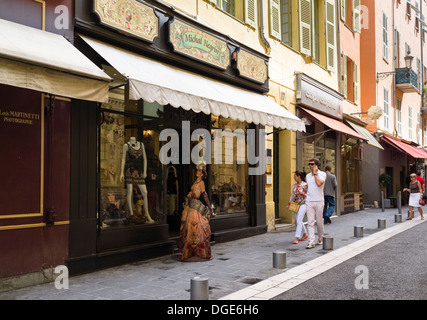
301,174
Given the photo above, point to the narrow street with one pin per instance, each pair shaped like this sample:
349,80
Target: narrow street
395,270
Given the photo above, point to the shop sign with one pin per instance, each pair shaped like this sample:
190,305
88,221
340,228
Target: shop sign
318,97
199,45
252,67
21,164
130,16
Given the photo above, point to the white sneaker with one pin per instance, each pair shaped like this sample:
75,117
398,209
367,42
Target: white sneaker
311,245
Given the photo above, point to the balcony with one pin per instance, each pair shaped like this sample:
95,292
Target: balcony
406,80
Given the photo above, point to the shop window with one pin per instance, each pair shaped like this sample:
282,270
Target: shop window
320,145
351,167
128,140
229,168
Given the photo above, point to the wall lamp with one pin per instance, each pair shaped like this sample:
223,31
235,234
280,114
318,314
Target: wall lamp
408,64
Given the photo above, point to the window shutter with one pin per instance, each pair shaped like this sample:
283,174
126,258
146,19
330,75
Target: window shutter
275,25
286,21
305,26
385,37
355,83
344,10
330,34
356,16
250,12
344,76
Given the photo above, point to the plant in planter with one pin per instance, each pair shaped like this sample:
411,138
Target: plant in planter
385,180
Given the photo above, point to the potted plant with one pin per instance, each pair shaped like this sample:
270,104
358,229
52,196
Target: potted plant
385,180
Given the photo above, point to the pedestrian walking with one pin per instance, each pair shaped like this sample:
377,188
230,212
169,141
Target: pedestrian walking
329,195
416,195
299,192
421,180
315,202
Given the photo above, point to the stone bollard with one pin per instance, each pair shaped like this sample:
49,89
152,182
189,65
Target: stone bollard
199,288
358,231
381,223
279,260
398,218
328,243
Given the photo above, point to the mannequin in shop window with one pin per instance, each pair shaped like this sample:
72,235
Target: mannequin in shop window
134,172
195,231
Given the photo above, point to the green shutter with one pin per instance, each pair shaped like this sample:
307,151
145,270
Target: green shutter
305,22
330,34
250,12
275,25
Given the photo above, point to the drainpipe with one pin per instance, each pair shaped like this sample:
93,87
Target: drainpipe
394,77
264,40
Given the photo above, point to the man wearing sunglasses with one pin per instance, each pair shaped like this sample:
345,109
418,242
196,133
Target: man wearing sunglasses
315,202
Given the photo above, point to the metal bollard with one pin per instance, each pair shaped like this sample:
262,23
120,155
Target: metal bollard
382,201
398,218
279,260
399,202
199,288
358,231
381,223
328,243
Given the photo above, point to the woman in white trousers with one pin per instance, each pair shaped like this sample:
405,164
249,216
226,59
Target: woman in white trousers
299,190
416,194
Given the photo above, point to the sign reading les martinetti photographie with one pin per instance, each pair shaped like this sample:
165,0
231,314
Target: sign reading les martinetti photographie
197,44
21,134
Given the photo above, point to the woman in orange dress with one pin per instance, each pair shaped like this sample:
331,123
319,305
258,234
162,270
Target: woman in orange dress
195,232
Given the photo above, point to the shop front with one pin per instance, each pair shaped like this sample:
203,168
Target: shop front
399,159
40,72
181,94
328,139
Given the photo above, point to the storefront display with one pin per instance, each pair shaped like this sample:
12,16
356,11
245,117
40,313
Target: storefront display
230,175
130,171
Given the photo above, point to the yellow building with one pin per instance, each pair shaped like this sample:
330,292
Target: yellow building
300,38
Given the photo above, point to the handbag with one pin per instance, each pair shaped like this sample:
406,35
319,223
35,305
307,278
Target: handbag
422,203
294,206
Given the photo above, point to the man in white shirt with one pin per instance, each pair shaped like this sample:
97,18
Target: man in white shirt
315,201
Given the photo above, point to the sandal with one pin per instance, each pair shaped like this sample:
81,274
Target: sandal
296,242
303,238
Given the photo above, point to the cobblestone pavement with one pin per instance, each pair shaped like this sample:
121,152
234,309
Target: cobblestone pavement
236,265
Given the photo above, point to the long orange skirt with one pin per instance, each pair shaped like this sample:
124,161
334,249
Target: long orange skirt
195,235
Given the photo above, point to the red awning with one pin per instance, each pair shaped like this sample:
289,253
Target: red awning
334,124
407,148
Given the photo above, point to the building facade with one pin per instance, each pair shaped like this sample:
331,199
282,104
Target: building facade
394,30
40,73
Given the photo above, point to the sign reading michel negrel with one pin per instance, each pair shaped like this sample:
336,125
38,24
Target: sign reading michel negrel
130,16
197,44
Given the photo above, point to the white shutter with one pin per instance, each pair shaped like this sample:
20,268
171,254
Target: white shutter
356,16
251,12
344,10
330,34
344,76
305,26
385,37
355,84
275,25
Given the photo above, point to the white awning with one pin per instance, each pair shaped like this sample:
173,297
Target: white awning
39,60
151,81
365,133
